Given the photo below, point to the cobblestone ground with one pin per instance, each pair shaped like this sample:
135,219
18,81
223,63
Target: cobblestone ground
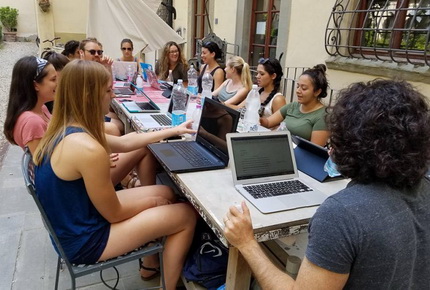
10,52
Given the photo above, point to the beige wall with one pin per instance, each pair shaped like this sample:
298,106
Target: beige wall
26,16
225,13
305,46
70,19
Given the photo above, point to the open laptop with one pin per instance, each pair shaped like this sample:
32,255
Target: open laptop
209,151
152,79
159,121
310,159
120,69
265,173
128,89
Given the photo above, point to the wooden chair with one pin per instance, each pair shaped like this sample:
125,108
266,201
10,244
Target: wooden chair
77,271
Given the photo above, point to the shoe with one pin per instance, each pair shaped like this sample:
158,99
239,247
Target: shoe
150,277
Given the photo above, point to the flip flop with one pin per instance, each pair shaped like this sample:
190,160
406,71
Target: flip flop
152,276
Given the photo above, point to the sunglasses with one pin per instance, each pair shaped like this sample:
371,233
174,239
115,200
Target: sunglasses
93,51
127,48
263,60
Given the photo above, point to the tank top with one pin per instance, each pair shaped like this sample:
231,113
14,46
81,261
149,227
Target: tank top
68,207
199,79
224,95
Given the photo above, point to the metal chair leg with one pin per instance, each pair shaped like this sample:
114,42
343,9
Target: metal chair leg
57,275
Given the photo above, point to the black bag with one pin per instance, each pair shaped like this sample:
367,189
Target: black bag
207,259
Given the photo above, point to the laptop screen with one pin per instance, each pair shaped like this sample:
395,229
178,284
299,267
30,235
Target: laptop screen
262,156
215,122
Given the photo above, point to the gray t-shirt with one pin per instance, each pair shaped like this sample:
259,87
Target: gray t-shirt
377,234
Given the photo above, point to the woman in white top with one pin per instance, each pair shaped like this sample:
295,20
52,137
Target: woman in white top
235,89
269,75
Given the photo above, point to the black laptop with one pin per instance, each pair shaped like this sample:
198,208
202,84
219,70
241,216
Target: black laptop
209,151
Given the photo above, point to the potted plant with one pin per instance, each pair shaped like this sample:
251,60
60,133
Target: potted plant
9,19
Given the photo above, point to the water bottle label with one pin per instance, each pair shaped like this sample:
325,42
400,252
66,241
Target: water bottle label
193,90
178,117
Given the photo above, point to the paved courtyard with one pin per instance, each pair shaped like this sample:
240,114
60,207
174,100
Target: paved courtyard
28,260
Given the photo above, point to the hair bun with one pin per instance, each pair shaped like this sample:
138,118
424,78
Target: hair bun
321,67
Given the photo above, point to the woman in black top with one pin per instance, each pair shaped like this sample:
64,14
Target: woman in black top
210,54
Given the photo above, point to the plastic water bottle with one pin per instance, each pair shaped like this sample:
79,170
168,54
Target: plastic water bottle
251,119
207,83
139,82
129,73
179,95
196,116
170,78
192,82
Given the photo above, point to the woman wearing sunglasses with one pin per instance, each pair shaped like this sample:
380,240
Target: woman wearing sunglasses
127,52
172,59
306,116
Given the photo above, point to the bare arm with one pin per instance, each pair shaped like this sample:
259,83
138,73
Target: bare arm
237,107
239,97
273,120
278,103
218,78
216,92
238,230
79,155
32,145
133,141
320,137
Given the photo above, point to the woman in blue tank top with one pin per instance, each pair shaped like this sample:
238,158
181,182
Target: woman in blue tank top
92,221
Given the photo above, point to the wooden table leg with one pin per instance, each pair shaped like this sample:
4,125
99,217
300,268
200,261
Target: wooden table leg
238,271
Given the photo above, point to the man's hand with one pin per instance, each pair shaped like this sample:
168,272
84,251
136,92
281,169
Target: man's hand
106,61
238,226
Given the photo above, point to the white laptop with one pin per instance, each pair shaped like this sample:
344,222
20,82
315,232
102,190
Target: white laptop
120,69
264,171
157,121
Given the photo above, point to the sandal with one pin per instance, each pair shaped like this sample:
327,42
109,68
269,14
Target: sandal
150,277
130,181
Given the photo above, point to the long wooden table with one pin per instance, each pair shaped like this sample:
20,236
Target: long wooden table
212,193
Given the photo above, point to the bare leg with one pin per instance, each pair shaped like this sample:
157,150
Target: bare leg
176,221
112,129
116,121
144,162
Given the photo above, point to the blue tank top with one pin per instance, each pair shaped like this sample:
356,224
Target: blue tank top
73,216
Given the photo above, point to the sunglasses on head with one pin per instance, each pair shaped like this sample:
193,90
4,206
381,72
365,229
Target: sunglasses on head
263,60
94,51
127,48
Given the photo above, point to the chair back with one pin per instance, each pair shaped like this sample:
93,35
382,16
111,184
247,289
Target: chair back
27,167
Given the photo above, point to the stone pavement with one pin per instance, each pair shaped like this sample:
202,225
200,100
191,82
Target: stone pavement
27,258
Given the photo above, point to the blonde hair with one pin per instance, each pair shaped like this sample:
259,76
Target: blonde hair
78,100
164,63
242,69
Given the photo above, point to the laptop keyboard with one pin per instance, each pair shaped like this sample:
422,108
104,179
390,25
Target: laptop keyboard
194,157
276,188
163,120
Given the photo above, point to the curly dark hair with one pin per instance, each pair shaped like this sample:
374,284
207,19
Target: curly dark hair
380,133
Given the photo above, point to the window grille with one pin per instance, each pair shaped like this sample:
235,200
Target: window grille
394,30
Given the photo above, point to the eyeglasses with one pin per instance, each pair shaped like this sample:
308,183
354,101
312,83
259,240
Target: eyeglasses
173,52
127,48
93,51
